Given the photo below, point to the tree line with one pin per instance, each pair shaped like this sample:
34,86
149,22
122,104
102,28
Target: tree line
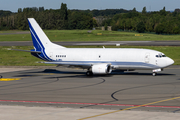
48,19
106,12
160,22
62,18
5,13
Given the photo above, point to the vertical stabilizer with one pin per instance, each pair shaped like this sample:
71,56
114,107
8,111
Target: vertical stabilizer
39,38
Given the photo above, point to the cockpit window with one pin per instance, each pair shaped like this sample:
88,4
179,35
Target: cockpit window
160,55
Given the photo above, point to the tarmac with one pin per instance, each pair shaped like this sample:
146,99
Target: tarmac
43,93
101,43
63,93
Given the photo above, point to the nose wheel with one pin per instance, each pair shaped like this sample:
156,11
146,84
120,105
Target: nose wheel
154,73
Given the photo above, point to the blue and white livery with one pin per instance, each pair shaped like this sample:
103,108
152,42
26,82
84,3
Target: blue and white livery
95,60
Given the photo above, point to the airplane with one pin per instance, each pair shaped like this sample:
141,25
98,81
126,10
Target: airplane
96,60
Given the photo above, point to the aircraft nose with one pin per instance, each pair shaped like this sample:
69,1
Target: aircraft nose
170,61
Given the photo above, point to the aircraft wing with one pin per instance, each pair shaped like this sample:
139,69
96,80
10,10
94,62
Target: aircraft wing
71,64
81,64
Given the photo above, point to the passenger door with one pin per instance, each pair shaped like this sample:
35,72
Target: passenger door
147,58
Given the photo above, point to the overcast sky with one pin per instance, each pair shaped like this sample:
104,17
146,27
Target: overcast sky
151,5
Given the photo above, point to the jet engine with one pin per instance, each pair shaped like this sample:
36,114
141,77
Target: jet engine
101,69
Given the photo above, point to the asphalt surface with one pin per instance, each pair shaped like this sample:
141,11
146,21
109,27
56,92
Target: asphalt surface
73,86
102,43
22,32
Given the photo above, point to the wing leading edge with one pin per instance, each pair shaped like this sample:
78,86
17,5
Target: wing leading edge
81,64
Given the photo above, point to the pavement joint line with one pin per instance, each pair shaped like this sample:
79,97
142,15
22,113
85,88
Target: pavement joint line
130,108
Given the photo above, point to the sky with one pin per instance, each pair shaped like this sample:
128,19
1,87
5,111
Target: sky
151,5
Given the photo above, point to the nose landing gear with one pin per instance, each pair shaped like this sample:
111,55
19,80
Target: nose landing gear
154,73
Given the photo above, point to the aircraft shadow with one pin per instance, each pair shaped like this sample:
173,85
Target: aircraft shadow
82,74
141,74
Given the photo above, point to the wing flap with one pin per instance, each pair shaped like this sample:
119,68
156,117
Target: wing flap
79,64
71,64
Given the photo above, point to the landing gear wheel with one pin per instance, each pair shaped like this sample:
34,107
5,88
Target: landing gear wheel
0,76
89,73
154,73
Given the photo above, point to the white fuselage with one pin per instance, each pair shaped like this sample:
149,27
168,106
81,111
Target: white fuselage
122,58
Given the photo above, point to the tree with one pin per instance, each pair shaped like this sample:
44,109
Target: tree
63,11
149,25
141,27
176,30
144,10
106,26
163,11
134,9
94,22
63,16
41,9
160,28
19,10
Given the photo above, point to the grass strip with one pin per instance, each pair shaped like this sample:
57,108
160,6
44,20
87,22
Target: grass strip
83,35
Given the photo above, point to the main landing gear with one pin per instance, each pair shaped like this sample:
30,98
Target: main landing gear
89,73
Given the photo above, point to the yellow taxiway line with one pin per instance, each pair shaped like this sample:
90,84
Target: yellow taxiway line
131,108
9,79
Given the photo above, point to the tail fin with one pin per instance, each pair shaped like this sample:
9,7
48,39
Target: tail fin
39,38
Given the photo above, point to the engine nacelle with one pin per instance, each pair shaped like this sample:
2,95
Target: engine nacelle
101,69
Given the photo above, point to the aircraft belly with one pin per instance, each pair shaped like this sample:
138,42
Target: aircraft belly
134,65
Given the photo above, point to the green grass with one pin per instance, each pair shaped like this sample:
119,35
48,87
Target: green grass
83,35
18,58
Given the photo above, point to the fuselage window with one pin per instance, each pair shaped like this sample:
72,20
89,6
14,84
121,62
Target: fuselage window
60,55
